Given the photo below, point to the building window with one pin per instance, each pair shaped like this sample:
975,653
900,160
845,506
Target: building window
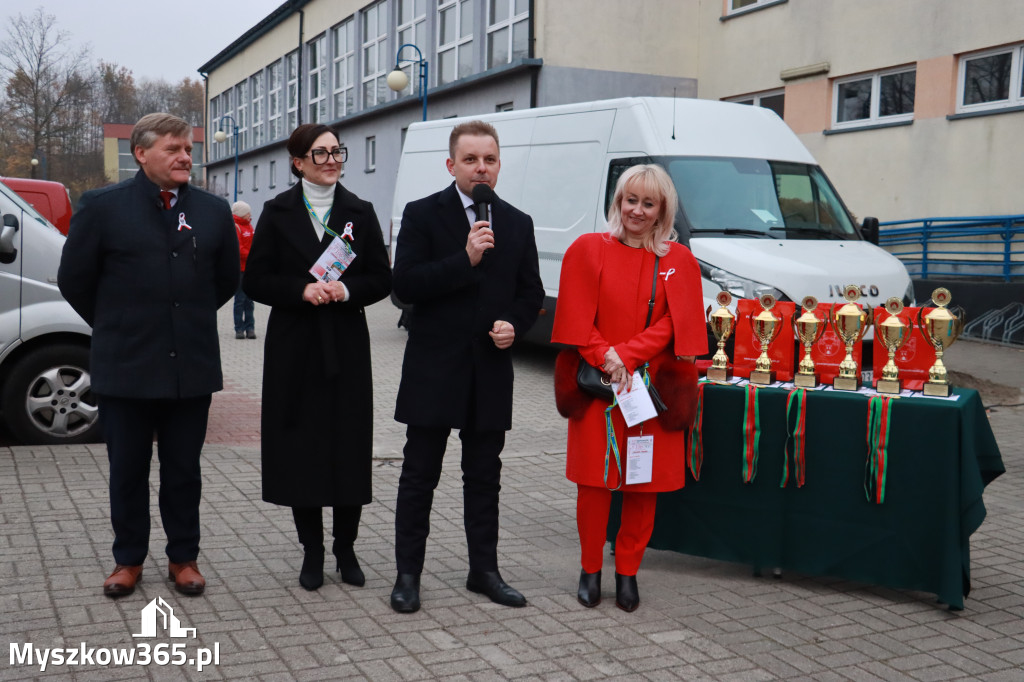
454,40
504,106
214,116
773,99
375,54
255,175
256,91
272,180
291,71
241,120
743,5
344,70
411,29
508,29
291,177
274,101
371,154
991,80
316,58
238,181
884,97
226,179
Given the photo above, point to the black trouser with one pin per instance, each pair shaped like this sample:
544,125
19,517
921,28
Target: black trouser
481,484
309,522
129,425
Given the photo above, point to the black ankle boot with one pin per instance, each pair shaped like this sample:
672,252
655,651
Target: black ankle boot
311,576
627,596
348,565
589,593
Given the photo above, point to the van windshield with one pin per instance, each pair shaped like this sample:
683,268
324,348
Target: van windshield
758,198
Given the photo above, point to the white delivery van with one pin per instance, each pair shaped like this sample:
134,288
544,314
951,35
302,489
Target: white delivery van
45,389
754,207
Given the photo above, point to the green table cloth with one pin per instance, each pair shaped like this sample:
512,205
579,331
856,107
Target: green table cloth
941,456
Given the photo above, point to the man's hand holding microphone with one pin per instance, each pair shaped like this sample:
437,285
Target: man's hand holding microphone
481,237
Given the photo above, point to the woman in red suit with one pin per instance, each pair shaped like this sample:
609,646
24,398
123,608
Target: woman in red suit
603,303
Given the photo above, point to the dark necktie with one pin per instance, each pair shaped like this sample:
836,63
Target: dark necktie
166,196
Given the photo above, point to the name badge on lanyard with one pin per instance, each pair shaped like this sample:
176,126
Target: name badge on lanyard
338,255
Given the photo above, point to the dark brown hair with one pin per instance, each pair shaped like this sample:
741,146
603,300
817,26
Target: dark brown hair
302,139
470,128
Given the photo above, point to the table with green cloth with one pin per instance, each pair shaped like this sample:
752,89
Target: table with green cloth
941,455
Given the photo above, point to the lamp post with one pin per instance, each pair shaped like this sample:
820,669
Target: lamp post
35,162
397,80
220,136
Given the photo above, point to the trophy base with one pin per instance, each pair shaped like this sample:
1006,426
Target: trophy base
762,378
888,386
805,380
719,374
846,383
936,390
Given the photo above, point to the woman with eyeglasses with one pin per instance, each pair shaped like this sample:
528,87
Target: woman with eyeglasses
317,259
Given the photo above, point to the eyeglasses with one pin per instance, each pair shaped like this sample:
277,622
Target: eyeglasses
319,156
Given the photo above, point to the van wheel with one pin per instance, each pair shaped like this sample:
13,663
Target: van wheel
48,398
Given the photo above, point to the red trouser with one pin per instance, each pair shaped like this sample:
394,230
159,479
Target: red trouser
592,506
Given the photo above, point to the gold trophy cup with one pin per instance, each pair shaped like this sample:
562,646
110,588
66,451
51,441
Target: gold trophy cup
766,327
850,323
941,328
892,333
722,323
808,328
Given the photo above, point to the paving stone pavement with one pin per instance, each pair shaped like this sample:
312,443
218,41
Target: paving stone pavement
699,619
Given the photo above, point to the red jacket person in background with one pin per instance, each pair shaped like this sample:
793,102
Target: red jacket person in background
245,323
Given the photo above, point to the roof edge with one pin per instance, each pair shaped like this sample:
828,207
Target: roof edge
265,25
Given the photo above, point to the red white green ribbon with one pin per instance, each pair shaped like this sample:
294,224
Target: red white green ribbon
697,436
796,402
751,434
876,467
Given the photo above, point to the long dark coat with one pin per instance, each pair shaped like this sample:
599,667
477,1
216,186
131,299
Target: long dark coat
317,420
150,290
453,375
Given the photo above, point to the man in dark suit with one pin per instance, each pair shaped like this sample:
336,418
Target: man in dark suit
147,263
474,286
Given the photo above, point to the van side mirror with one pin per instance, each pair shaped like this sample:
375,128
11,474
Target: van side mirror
7,250
869,230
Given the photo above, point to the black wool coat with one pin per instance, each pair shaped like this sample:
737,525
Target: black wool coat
452,374
317,419
150,290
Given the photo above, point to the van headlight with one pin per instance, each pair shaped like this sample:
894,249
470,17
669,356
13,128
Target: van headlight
740,287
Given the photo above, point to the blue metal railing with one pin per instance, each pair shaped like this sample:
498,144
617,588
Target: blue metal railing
989,247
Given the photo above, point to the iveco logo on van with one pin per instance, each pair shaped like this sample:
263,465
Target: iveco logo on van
836,290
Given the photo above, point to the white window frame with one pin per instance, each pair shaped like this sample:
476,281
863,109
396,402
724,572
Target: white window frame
214,120
730,9
256,92
1015,99
316,79
241,114
417,25
374,75
462,43
271,180
239,182
255,177
343,68
873,117
291,76
275,72
504,106
510,22
755,98
371,153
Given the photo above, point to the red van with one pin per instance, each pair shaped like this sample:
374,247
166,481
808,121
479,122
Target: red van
51,199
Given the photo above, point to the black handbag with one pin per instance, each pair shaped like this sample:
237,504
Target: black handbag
592,381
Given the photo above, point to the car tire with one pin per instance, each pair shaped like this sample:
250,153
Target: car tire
47,398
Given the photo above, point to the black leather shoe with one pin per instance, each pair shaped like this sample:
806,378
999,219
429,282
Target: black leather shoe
311,576
348,565
589,593
497,590
405,597
627,597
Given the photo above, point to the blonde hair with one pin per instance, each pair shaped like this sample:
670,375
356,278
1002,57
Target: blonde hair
652,180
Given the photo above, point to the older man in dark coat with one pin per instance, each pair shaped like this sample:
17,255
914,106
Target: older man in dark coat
475,287
147,263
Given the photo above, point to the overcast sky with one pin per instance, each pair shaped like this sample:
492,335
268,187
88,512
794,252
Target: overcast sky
150,42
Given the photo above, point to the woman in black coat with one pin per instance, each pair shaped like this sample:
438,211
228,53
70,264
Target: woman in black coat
317,435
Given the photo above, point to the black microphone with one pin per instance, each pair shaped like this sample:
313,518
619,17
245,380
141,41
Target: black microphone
483,197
